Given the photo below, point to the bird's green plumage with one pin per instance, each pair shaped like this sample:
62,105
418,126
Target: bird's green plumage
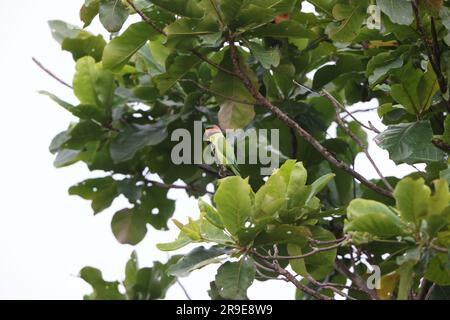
224,153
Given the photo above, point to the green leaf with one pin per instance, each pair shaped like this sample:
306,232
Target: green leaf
129,226
92,85
399,11
412,198
120,50
62,30
298,265
283,234
136,137
429,86
439,201
320,265
253,16
103,290
175,72
190,9
268,57
374,218
153,283
232,114
188,27
233,200
210,213
131,270
351,17
438,271
234,278
89,11
196,259
101,192
180,242
272,196
415,95
406,280
410,143
113,14
158,207
285,29
84,44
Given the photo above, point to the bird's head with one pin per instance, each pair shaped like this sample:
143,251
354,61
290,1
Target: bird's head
211,130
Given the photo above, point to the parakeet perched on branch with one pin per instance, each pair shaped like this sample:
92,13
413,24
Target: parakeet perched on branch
222,150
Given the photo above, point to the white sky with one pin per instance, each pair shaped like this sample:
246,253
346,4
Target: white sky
47,236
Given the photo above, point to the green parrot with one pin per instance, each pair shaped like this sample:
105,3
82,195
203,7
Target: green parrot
222,150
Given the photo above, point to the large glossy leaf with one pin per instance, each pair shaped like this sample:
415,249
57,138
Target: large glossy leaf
89,11
374,218
399,11
135,137
121,49
234,278
234,202
351,17
101,192
232,114
103,290
113,14
175,72
92,85
410,143
268,57
196,259
129,226
413,198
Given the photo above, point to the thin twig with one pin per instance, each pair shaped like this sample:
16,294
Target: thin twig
174,186
358,111
40,65
184,289
315,250
329,287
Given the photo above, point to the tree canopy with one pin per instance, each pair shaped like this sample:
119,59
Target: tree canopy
316,222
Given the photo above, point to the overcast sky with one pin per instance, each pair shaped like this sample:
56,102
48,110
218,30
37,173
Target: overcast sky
47,236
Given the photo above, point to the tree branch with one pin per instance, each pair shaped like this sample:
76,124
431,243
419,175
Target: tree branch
275,267
432,48
294,125
441,145
51,74
356,279
146,19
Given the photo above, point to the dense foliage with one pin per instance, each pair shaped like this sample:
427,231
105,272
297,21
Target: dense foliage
266,64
